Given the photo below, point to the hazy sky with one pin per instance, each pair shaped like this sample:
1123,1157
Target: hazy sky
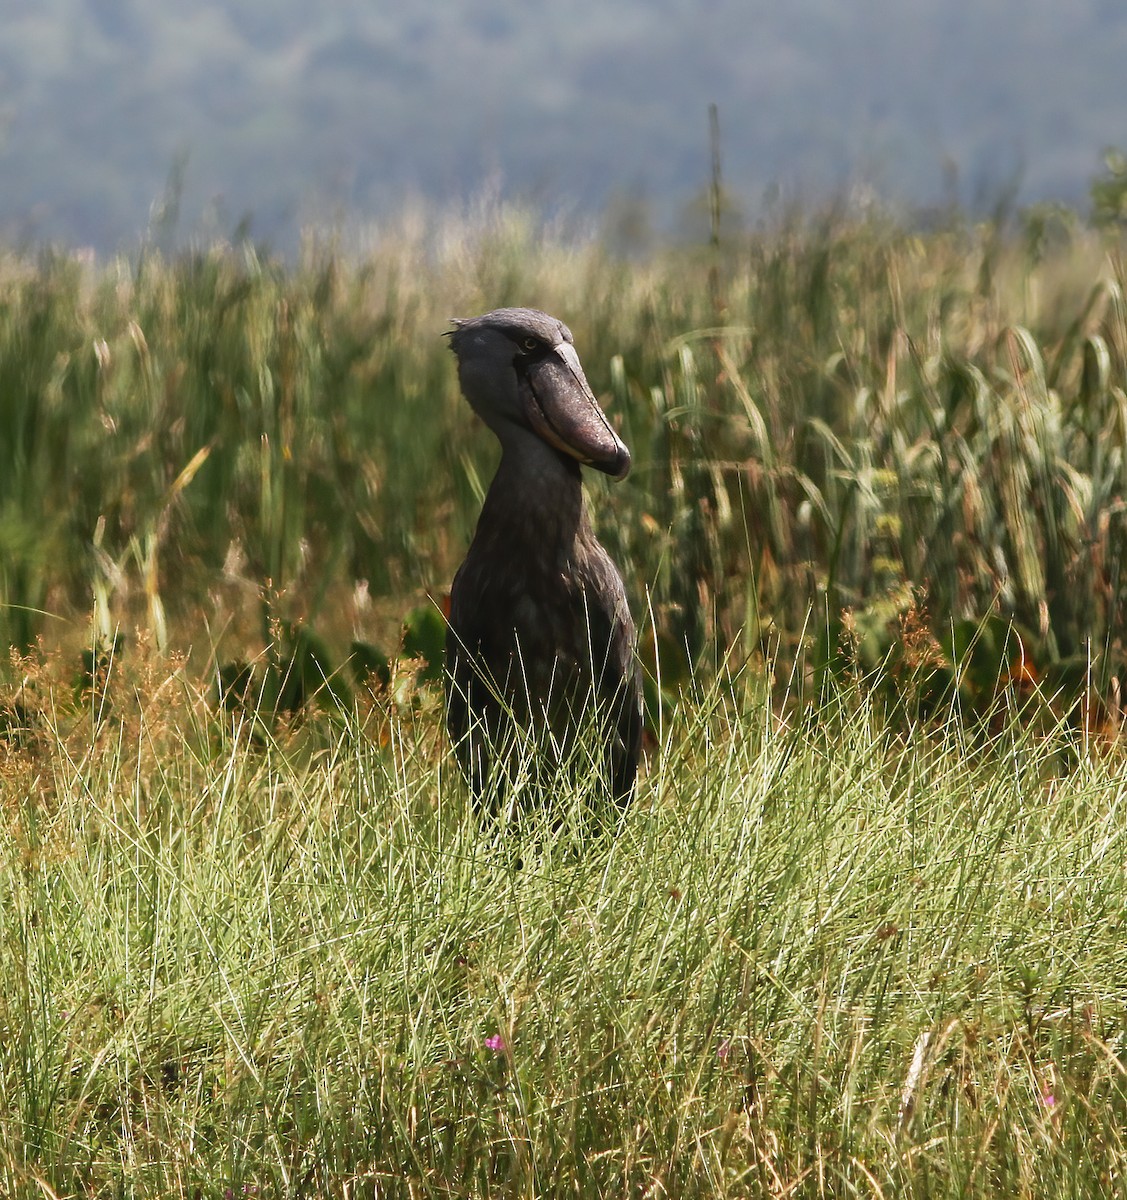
295,113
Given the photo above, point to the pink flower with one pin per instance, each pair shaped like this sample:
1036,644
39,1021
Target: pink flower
1048,1099
495,1042
724,1049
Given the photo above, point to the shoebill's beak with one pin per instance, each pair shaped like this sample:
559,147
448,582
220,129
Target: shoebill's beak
562,409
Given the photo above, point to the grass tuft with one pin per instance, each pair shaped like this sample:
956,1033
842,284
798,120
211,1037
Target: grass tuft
823,954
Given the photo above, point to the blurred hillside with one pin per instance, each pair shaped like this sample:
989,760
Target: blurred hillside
294,115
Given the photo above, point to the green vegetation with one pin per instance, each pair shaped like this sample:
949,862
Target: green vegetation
862,931
840,418
820,957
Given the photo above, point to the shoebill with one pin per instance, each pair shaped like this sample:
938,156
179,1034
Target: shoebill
540,667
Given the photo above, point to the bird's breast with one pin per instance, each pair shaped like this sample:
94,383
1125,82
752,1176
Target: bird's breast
534,628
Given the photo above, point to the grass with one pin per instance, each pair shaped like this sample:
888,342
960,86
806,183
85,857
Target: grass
822,955
861,931
835,412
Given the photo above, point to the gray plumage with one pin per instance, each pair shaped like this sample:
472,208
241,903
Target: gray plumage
540,646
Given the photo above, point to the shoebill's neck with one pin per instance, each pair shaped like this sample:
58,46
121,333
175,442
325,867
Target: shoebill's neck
535,501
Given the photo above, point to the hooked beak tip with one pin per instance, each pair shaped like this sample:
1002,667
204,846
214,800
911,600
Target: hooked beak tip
618,467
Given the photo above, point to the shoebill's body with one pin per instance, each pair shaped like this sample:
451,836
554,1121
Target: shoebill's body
540,649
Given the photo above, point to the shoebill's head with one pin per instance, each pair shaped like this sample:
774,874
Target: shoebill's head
519,370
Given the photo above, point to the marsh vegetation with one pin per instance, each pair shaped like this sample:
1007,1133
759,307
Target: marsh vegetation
861,931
